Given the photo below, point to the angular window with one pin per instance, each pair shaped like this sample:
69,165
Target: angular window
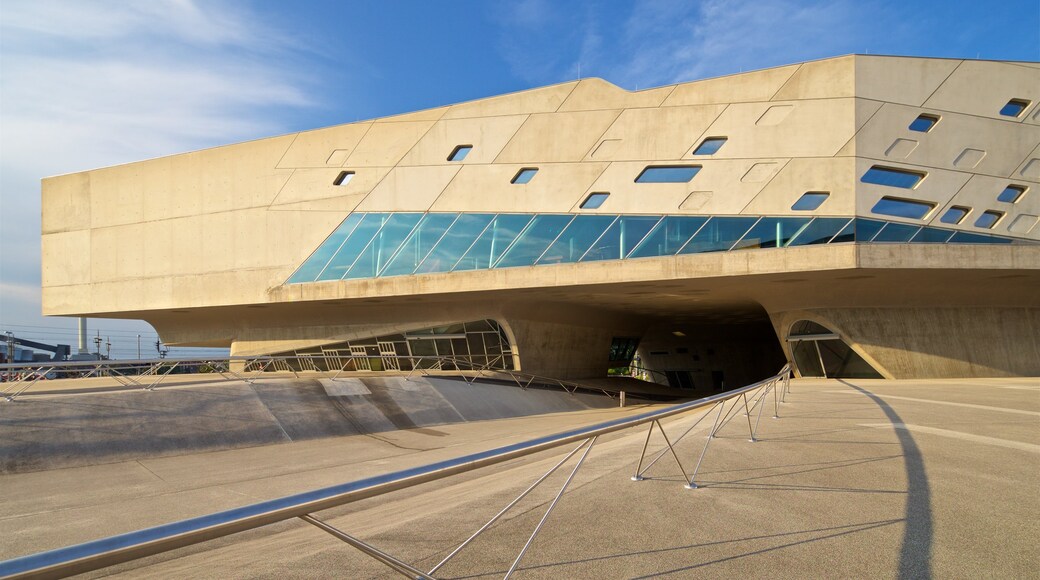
988,219
495,239
718,235
670,235
534,240
460,152
819,352
576,239
710,146
343,178
772,233
1011,194
932,236
455,242
384,245
1014,107
955,214
594,200
314,265
970,238
867,229
924,123
891,177
905,208
524,175
810,200
620,238
893,232
353,245
820,231
668,173
419,243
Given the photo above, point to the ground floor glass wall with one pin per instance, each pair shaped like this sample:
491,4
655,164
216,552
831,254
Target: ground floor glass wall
818,352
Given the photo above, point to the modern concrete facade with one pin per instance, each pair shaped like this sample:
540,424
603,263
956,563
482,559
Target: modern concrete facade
918,254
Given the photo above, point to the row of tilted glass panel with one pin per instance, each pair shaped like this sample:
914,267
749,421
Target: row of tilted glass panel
368,245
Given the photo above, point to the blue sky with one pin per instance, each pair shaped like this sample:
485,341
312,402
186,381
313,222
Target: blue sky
93,83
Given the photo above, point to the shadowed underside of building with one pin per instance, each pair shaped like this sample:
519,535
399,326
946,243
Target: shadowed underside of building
861,216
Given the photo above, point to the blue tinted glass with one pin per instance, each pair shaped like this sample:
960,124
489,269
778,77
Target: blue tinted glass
710,146
931,236
534,240
619,240
419,243
1011,193
954,215
772,233
847,234
867,229
524,176
320,258
460,153
820,231
595,200
456,241
924,123
892,177
810,200
378,253
1014,108
893,232
988,219
495,239
719,234
668,174
349,251
902,208
669,235
576,239
969,238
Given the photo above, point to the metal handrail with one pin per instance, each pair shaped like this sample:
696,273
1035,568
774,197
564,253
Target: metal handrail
113,550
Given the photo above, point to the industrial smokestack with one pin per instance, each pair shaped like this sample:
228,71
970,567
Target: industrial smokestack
83,336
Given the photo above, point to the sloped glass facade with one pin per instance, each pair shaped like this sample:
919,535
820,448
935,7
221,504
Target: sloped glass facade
372,245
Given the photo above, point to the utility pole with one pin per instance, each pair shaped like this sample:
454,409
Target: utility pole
97,344
108,347
138,347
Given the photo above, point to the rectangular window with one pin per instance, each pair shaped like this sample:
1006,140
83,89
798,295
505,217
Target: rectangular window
955,215
810,200
710,146
988,219
668,174
524,175
594,200
924,123
1011,194
343,178
892,177
905,208
1014,107
460,152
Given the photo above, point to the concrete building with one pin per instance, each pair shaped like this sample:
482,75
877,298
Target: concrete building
861,215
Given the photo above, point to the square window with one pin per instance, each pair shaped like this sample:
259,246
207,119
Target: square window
924,123
955,215
1014,107
343,178
1011,194
524,175
593,201
904,208
710,146
668,173
892,177
988,219
460,152
810,200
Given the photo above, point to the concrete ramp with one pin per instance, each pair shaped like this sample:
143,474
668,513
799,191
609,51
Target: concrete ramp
47,432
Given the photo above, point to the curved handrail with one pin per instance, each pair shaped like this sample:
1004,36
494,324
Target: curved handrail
113,550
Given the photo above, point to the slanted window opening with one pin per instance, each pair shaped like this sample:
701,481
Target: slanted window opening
668,173
892,177
710,146
524,175
810,200
594,200
988,219
924,123
460,152
1014,108
955,214
343,178
904,208
1012,194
